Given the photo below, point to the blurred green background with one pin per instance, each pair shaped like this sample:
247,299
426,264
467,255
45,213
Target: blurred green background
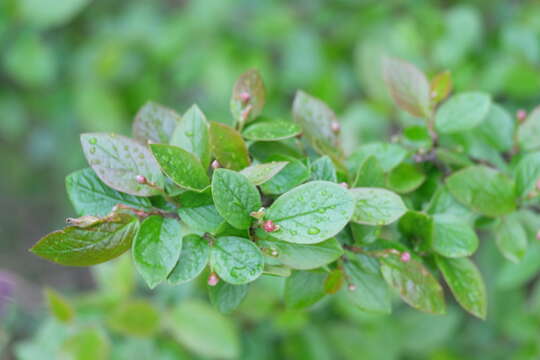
72,66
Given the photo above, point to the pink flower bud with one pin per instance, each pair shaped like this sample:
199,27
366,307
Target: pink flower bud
351,287
335,126
140,179
213,279
245,97
521,115
344,185
215,164
269,226
405,257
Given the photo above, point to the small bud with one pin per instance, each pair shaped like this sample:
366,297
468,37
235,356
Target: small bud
405,257
215,164
344,185
521,115
245,97
538,184
274,252
140,179
213,279
351,287
259,214
538,235
335,126
269,226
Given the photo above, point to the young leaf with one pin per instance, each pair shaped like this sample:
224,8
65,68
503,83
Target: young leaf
303,256
248,97
462,112
408,86
466,283
182,167
271,130
334,281
86,343
100,242
292,175
527,173
155,123
191,134
261,173
483,189
441,86
199,213
235,197
236,260
228,146
316,120
452,237
192,261
90,196
304,288
370,174
311,213
323,169
375,206
156,248
370,292
529,132
414,283
59,307
226,297
405,178
204,331
511,238
118,161
137,318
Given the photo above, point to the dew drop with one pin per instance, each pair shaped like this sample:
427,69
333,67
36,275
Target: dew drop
92,150
189,133
313,230
322,210
141,156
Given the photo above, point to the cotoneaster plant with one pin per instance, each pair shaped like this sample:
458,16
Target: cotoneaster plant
269,197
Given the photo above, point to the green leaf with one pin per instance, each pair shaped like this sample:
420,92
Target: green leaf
182,167
271,130
304,288
311,213
292,175
59,307
118,160
226,297
251,84
443,202
334,281
414,283
191,134
483,190
235,197
302,256
370,174
408,86
316,120
49,13
497,129
371,292
74,246
527,173
193,259
441,86
85,344
198,212
529,132
228,147
236,260
511,238
156,248
466,283
90,196
323,169
388,155
137,318
261,173
452,237
405,178
204,331
418,137
462,112
155,123
375,206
